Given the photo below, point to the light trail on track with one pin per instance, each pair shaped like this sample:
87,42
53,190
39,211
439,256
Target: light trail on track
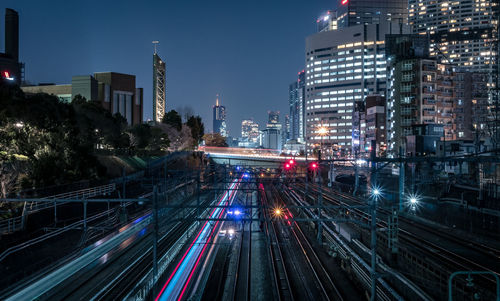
178,281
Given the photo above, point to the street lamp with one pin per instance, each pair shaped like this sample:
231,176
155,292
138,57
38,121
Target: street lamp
322,131
376,192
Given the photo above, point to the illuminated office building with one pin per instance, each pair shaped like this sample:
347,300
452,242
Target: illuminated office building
343,66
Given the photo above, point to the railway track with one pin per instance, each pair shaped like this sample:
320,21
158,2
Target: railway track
241,289
356,263
325,287
477,247
447,258
116,277
279,272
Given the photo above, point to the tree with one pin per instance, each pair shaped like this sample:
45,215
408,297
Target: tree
173,119
141,135
98,125
159,140
214,139
197,128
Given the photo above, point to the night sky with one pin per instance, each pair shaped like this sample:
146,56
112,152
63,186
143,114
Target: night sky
248,51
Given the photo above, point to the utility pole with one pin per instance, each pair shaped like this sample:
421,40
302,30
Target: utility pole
320,201
123,185
198,195
155,237
373,226
356,175
373,245
401,179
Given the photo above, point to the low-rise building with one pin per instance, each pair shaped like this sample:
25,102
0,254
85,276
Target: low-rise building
116,92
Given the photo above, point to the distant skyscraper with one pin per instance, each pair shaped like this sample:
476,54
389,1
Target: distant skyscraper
250,130
274,120
286,129
159,87
296,101
358,12
219,118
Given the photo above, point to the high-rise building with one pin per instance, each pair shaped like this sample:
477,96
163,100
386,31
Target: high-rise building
343,66
11,70
423,91
273,117
463,33
219,118
296,101
116,92
159,88
358,12
250,130
274,120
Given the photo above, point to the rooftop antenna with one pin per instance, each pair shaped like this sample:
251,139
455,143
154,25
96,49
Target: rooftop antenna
156,43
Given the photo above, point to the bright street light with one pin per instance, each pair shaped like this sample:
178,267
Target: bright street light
413,200
322,130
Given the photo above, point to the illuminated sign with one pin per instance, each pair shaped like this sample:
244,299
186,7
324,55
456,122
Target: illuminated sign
7,76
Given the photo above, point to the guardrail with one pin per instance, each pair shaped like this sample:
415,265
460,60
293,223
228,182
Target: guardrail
79,194
11,225
17,223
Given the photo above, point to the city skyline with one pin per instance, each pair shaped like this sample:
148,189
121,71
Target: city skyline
117,45
270,150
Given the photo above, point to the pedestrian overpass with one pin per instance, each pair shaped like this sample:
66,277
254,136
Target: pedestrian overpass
251,157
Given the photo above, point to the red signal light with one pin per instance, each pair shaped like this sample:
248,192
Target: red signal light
6,75
287,166
291,162
314,165
344,2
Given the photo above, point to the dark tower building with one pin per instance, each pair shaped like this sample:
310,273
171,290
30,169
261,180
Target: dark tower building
12,34
10,68
219,119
